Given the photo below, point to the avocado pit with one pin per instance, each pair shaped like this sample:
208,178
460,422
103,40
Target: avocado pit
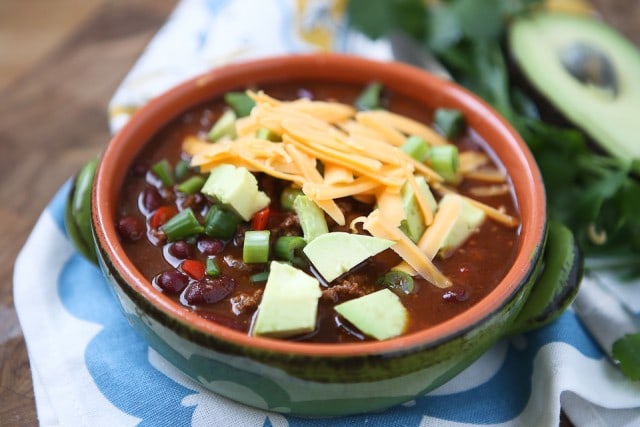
590,66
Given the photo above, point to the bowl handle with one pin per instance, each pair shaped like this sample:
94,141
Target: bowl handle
558,283
77,215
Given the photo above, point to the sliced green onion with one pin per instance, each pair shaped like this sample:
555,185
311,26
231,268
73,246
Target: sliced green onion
256,246
288,196
224,126
369,98
397,281
164,172
241,103
268,134
259,277
449,121
181,170
192,185
289,248
416,147
182,225
221,223
311,218
211,267
444,160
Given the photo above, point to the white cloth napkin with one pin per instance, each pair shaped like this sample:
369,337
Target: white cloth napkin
91,369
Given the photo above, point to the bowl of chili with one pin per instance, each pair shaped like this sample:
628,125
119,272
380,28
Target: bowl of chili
323,234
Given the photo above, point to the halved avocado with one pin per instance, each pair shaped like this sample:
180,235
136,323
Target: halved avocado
587,71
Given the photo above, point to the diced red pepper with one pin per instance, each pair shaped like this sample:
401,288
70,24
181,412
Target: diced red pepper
162,215
260,219
194,268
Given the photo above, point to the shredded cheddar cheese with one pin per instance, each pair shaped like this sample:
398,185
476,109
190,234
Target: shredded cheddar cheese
360,156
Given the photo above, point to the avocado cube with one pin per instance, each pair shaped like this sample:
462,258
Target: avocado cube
237,188
380,314
289,304
333,254
413,225
469,220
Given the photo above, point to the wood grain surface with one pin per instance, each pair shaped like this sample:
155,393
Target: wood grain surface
60,63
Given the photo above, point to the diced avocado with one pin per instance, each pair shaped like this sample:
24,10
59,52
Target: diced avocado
470,218
224,126
289,304
413,225
380,314
237,188
311,218
333,254
587,71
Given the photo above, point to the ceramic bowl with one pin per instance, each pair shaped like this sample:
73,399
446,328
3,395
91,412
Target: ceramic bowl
336,379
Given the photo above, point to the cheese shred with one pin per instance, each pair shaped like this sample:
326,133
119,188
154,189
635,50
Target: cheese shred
360,156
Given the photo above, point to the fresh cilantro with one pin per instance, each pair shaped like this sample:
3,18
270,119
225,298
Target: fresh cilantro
626,351
596,196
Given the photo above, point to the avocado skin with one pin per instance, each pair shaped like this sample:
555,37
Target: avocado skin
535,43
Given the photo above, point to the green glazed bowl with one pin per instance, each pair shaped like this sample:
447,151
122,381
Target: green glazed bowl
311,379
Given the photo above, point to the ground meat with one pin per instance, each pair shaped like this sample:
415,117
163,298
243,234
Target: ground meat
157,237
246,303
289,225
352,286
193,201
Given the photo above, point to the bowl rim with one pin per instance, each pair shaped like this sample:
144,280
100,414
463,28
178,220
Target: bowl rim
528,189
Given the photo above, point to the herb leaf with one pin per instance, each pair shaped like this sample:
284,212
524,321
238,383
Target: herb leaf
626,351
596,196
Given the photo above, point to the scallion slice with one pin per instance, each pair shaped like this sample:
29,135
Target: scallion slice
181,170
224,126
164,172
288,196
397,281
289,248
221,223
259,277
311,218
241,103
268,134
369,98
182,225
191,185
416,147
256,246
211,267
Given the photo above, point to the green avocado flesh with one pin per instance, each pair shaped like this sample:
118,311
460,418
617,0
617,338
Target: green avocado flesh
587,71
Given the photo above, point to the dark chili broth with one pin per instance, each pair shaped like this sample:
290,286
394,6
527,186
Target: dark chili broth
475,268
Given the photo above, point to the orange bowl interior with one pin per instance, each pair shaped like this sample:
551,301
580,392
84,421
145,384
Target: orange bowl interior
423,88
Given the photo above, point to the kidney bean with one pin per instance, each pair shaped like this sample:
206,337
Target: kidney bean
210,246
209,290
151,199
171,281
181,249
130,228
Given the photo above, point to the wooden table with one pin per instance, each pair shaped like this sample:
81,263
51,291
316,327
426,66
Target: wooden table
60,63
